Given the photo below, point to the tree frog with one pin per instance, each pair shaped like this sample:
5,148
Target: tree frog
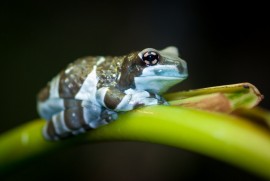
92,91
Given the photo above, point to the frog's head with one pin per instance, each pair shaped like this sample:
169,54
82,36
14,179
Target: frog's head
162,70
156,71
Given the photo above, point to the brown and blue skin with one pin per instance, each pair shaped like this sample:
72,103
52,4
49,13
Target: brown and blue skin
91,91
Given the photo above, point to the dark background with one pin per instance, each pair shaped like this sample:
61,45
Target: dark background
222,42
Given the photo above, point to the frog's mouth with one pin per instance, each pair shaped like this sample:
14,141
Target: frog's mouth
165,71
160,78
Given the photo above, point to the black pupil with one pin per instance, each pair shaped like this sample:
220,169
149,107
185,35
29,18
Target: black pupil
150,58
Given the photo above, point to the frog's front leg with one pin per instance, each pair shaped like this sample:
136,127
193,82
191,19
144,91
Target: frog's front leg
129,99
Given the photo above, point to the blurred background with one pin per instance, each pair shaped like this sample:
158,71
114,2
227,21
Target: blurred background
223,43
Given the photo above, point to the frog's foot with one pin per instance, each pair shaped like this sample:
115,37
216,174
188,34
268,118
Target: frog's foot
136,98
108,115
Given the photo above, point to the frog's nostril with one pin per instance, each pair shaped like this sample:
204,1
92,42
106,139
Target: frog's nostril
159,72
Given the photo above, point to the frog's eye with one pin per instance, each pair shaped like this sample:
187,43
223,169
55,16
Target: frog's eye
150,58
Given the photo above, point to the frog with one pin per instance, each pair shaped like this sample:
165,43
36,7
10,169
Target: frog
92,91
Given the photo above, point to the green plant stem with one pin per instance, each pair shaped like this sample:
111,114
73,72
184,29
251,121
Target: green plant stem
220,136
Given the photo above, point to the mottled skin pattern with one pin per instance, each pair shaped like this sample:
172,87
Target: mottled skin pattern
90,91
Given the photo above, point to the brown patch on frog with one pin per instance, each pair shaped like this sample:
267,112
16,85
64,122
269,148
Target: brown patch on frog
68,87
132,66
113,97
216,103
109,71
72,78
74,119
44,94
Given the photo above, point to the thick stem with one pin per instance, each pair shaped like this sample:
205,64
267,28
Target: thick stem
220,136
